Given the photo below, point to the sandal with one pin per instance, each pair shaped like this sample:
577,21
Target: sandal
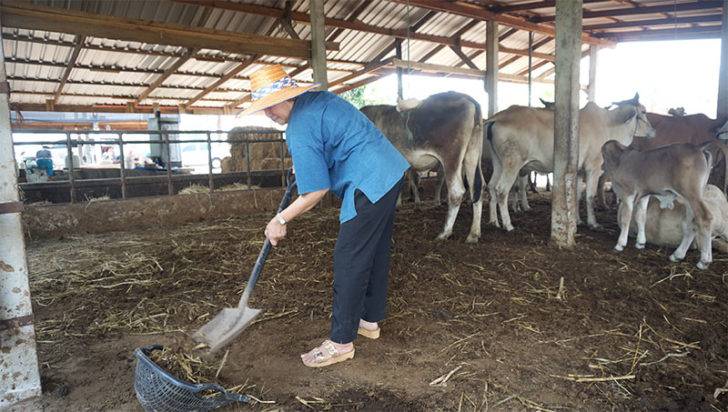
369,333
326,355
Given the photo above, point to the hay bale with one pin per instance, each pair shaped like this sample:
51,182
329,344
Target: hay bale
259,152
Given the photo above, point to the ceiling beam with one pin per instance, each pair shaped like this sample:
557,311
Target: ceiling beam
655,22
535,5
167,73
437,68
471,10
536,45
229,75
80,40
631,11
119,84
110,108
359,26
369,68
356,85
701,32
26,16
110,96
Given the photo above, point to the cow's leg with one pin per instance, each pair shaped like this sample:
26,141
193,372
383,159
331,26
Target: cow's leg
455,192
703,221
508,176
548,182
601,198
474,176
625,216
494,177
640,217
592,182
413,179
522,194
579,195
688,234
439,185
532,182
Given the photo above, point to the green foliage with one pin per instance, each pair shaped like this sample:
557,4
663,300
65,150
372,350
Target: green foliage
356,97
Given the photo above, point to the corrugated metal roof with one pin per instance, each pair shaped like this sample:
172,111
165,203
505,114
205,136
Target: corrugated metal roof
110,71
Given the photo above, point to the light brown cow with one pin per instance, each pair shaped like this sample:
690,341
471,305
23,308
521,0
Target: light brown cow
636,175
445,128
523,137
663,227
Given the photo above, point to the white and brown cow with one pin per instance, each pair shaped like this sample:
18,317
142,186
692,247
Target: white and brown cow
445,128
523,138
663,226
672,172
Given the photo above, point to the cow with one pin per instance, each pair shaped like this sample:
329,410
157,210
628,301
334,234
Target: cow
523,137
636,175
663,227
445,128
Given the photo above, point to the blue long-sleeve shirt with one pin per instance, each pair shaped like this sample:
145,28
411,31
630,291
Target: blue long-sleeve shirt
334,146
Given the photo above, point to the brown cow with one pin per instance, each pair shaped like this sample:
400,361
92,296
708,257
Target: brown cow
445,128
636,175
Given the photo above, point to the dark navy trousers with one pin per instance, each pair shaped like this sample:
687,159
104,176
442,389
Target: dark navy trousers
361,265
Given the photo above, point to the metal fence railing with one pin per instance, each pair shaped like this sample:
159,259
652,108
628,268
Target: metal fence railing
124,138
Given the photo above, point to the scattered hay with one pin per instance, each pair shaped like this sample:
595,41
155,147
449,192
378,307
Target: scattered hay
196,188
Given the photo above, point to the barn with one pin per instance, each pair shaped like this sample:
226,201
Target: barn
152,215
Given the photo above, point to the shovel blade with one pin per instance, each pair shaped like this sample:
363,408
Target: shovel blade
225,327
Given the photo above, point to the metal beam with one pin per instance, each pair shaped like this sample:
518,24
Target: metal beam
700,32
112,108
723,76
711,18
534,5
466,9
566,123
26,16
632,11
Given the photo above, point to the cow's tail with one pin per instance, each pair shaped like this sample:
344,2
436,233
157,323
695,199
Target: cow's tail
714,152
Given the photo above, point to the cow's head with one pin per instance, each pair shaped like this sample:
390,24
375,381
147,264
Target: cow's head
612,152
633,109
404,105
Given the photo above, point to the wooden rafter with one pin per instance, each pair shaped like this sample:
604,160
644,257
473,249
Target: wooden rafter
534,5
80,40
167,72
474,11
711,18
536,45
700,32
631,11
24,15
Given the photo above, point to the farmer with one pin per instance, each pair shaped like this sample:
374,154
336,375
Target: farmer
335,147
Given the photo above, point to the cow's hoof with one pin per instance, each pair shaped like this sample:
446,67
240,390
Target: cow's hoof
508,228
443,236
619,248
527,208
675,259
703,265
472,239
639,245
494,223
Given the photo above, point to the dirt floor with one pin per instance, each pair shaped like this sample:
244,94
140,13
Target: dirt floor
508,323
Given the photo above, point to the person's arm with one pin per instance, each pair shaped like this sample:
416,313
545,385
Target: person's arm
275,231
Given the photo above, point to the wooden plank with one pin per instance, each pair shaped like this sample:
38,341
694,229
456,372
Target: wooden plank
711,18
534,5
464,57
463,8
701,32
121,108
318,49
229,75
442,69
491,66
167,72
566,123
80,40
23,15
632,11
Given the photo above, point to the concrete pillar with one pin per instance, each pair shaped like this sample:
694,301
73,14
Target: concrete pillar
592,88
318,46
530,66
491,65
566,124
723,77
19,378
398,54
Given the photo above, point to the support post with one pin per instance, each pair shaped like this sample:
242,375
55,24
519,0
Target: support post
210,181
592,88
491,65
318,46
71,168
122,166
723,77
398,54
17,335
530,68
566,122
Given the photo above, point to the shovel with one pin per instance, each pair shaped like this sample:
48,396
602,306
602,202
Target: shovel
230,322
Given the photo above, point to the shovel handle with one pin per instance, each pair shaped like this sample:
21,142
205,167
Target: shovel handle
263,255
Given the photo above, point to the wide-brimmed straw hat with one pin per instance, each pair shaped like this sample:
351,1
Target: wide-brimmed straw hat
271,85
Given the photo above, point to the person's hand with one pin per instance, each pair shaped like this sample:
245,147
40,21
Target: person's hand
275,232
